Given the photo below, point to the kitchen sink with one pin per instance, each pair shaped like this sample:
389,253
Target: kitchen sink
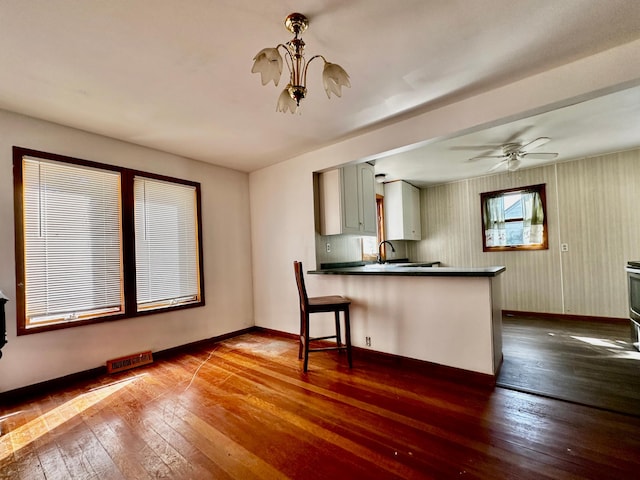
389,265
419,264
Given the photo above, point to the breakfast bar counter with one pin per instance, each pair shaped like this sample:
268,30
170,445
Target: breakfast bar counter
448,316
412,269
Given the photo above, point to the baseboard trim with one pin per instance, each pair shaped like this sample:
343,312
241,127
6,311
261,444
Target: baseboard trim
442,372
23,394
427,368
277,333
180,349
564,316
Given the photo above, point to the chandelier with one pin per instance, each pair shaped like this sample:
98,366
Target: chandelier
268,62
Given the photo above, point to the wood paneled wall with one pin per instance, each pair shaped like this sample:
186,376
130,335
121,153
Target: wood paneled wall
600,221
593,205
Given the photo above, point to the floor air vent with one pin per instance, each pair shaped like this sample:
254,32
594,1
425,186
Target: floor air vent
130,361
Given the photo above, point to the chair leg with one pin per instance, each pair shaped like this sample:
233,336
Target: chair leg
338,338
306,342
301,338
347,330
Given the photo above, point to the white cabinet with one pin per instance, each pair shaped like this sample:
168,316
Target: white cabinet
348,201
402,211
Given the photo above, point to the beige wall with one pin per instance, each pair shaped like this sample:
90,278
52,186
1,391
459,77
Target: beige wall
34,358
600,220
592,205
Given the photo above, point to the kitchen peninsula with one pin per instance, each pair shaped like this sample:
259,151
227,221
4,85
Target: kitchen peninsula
446,316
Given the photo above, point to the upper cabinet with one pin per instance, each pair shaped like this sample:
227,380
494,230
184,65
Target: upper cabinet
402,211
348,201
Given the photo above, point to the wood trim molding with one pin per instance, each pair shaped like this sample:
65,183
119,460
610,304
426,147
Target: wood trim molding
28,392
278,333
427,368
170,352
129,307
23,394
439,371
422,366
565,316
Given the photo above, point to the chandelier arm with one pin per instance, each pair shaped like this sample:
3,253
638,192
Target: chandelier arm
304,75
283,46
288,60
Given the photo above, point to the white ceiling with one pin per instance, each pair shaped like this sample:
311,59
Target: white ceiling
606,124
175,75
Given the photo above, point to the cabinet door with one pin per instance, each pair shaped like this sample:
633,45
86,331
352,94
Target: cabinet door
329,193
368,214
347,198
402,211
413,225
350,199
393,228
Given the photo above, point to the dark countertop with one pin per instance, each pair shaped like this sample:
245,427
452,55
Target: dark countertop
422,269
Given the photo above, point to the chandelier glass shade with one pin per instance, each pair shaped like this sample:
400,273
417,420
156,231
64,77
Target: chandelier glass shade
269,63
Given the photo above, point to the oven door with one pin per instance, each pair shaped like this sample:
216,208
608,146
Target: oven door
634,305
634,294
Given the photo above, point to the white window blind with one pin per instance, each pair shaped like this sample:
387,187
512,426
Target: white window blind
166,231
73,251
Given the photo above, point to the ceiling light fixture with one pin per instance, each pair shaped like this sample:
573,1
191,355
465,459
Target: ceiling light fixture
268,62
513,163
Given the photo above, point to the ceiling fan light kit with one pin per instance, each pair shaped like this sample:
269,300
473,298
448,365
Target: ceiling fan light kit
513,164
268,62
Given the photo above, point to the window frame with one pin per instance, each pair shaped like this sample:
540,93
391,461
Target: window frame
541,190
127,205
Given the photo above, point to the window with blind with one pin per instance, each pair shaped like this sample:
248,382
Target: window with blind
166,244
96,242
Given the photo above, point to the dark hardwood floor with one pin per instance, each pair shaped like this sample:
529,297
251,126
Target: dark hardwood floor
587,362
243,409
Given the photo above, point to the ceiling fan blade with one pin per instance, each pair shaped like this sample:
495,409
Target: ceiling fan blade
516,136
480,157
540,155
476,147
534,144
489,147
498,165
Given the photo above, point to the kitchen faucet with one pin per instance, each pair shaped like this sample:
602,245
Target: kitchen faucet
380,249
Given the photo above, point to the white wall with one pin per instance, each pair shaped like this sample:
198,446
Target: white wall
30,359
282,214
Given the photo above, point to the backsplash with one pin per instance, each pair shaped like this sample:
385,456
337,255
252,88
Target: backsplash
348,248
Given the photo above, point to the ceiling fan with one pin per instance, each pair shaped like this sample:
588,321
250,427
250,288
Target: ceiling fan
513,154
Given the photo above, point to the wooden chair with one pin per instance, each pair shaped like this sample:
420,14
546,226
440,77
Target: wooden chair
333,303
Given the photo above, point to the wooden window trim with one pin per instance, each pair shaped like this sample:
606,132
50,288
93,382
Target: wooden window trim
128,241
541,189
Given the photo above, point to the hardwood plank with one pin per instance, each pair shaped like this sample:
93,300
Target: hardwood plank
24,462
587,362
122,445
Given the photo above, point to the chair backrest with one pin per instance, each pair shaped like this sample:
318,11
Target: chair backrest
302,291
